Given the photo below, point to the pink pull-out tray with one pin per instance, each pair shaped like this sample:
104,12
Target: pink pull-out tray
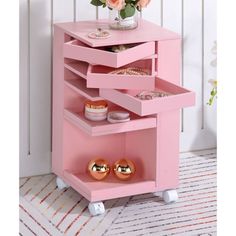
179,97
79,51
98,76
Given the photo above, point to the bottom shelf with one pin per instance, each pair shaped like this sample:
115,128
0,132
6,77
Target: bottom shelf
109,188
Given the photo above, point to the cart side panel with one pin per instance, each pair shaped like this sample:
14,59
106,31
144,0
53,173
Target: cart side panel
168,130
58,100
167,165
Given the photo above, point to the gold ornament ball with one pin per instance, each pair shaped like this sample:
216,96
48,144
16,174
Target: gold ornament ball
124,169
98,169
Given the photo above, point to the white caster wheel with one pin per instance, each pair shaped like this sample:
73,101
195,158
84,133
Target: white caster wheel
170,196
61,184
96,208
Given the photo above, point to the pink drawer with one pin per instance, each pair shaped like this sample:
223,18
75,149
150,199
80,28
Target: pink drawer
178,98
79,51
101,76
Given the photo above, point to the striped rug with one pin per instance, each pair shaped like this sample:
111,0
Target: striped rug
45,210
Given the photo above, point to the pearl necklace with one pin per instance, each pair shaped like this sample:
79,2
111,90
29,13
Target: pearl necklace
149,95
130,71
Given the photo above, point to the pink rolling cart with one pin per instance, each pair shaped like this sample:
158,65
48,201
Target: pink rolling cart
81,67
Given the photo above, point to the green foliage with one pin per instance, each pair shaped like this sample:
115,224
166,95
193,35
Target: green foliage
128,11
134,2
98,3
213,96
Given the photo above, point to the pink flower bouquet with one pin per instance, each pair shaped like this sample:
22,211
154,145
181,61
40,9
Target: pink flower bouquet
126,7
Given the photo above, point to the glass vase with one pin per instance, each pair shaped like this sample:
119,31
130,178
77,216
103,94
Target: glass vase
117,23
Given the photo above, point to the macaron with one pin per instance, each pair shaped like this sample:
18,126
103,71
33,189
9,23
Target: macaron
96,110
101,104
94,117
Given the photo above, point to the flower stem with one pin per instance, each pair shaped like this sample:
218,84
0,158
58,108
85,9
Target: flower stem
213,96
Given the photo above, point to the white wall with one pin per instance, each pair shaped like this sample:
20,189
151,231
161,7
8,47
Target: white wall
195,20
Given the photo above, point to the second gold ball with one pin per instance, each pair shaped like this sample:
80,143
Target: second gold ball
124,169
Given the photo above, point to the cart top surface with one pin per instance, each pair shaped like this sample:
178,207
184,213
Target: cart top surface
146,31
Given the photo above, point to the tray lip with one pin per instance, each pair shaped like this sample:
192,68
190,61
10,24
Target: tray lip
91,75
139,44
142,107
150,101
91,78
122,81
151,58
111,59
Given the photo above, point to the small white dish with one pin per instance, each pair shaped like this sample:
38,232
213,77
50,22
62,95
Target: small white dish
113,121
118,116
103,34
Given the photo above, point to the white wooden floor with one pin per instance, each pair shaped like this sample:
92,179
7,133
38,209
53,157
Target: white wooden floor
45,210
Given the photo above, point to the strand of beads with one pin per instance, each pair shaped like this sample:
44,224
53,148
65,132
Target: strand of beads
130,71
149,95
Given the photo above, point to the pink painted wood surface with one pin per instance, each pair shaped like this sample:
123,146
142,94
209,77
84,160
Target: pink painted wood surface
152,142
120,82
167,147
58,101
99,77
168,130
109,188
169,60
79,86
95,128
78,67
80,51
141,146
73,100
80,148
179,98
145,32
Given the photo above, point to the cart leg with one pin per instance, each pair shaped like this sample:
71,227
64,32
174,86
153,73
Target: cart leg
61,184
158,194
96,208
170,196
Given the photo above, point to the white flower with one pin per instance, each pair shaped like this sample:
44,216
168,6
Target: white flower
213,83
